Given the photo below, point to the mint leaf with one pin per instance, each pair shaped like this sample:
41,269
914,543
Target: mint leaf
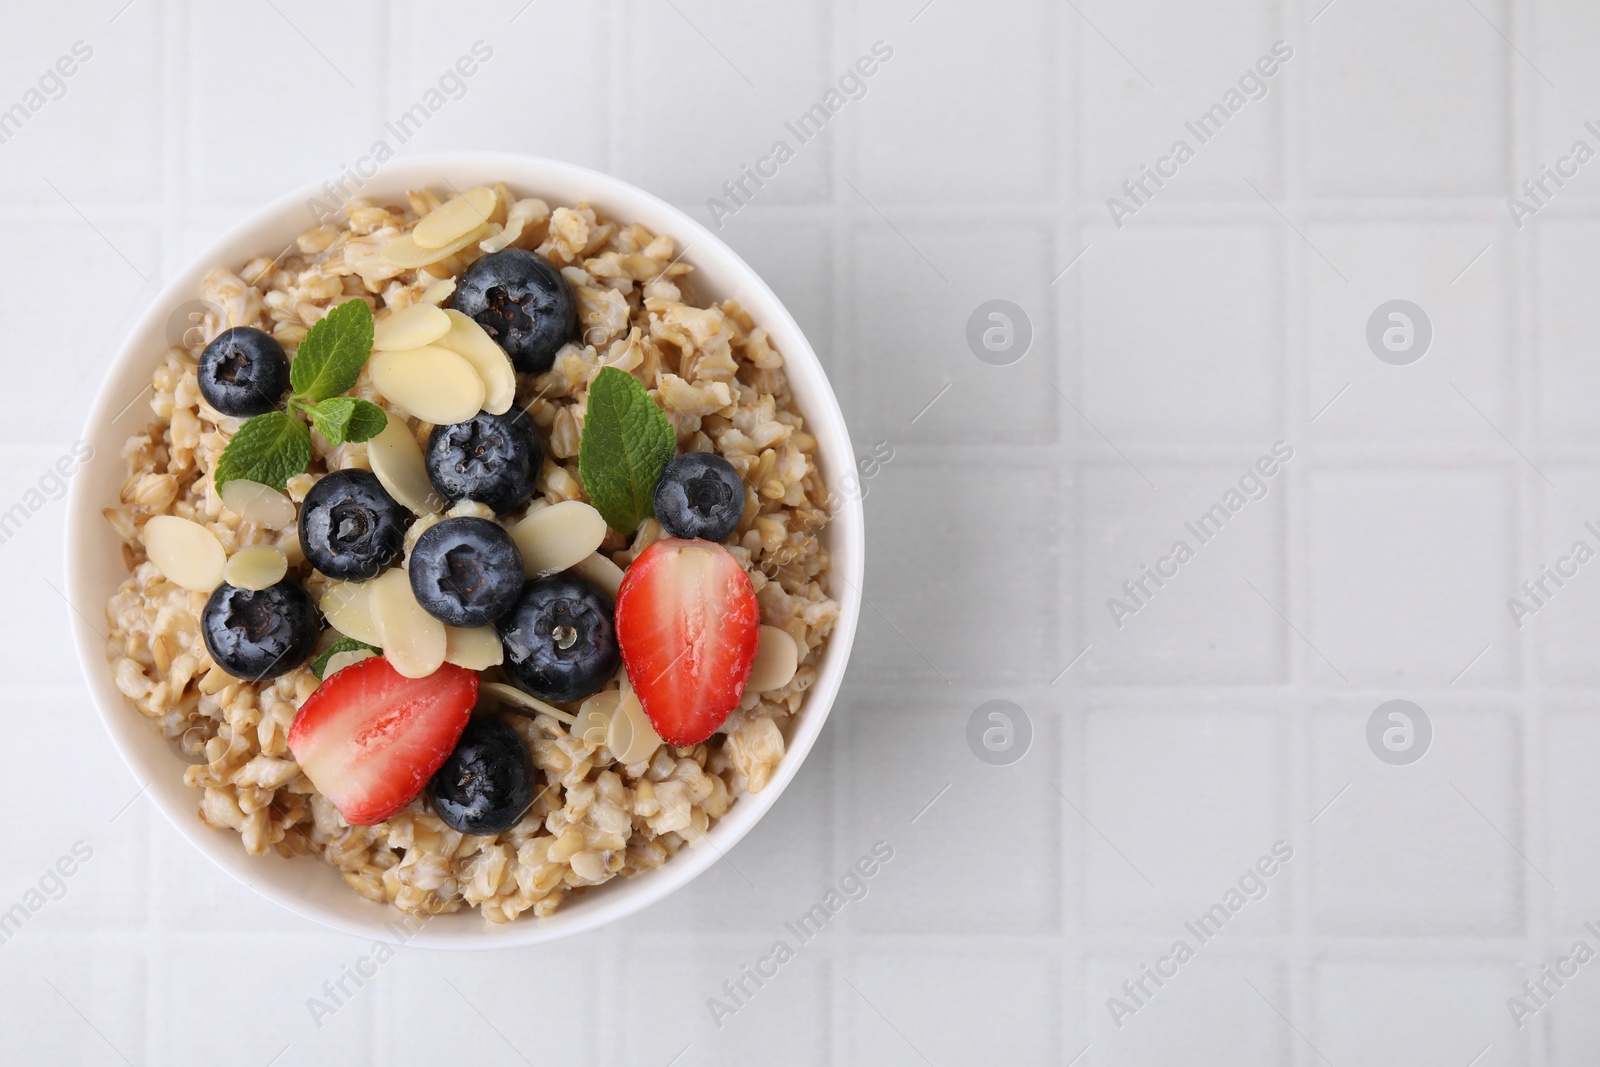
269,449
344,418
344,644
627,441
330,359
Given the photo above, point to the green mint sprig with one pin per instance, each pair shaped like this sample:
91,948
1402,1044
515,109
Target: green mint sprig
274,447
344,644
627,442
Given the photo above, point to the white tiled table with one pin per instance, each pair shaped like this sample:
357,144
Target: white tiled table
1230,713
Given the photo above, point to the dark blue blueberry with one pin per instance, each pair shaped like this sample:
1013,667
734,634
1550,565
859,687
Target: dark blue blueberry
244,372
699,495
493,459
261,634
350,527
523,303
560,638
466,571
486,785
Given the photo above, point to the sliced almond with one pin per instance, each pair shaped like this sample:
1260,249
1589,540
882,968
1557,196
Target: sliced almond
777,656
404,252
347,607
514,697
601,571
630,736
476,648
412,327
349,658
594,717
256,567
438,292
185,552
455,218
557,537
260,505
433,384
412,640
396,458
469,341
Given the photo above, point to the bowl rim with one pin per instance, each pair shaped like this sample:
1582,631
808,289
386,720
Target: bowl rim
466,930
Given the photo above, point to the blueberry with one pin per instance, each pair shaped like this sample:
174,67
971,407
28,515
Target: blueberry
561,642
244,372
466,571
350,527
523,303
262,634
486,785
493,459
699,495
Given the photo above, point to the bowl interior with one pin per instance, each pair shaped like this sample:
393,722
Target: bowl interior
306,885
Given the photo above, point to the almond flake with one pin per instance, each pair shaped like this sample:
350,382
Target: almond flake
347,607
256,567
412,640
349,658
405,254
469,341
777,657
511,695
593,725
455,218
557,537
476,648
396,458
185,552
438,292
630,736
257,504
599,569
432,384
412,327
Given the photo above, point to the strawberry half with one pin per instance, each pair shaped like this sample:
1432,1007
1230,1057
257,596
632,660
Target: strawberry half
369,738
688,624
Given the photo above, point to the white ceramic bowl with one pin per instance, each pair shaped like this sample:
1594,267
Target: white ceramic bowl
306,885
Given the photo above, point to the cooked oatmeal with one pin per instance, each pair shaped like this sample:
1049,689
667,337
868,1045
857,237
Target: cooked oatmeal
722,384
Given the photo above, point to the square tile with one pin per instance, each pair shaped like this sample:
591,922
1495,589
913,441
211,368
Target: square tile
428,1011
62,994
1206,535
322,64
108,108
1198,57
989,122
717,81
1566,316
1190,799
1403,1013
974,1006
1408,102
934,806
916,376
493,54
1456,870
1459,386
1570,796
1183,334
1555,602
1408,575
703,995
932,614
1206,1015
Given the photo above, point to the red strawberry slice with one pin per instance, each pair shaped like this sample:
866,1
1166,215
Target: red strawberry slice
688,624
369,738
